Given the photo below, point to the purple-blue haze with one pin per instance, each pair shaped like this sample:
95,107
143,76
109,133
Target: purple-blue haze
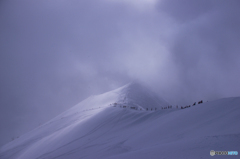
54,54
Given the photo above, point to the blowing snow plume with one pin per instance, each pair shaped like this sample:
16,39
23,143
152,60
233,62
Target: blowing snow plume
106,126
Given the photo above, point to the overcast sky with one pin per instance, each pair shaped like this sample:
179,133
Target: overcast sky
53,54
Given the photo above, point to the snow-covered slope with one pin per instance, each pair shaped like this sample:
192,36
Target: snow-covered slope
96,129
135,95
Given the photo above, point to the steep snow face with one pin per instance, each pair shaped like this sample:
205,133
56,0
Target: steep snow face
95,129
136,95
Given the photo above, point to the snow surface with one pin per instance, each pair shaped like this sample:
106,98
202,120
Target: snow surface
96,128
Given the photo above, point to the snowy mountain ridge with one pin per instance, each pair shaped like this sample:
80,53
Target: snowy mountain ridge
135,95
130,95
94,128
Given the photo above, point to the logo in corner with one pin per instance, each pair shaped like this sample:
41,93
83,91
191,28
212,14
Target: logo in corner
212,152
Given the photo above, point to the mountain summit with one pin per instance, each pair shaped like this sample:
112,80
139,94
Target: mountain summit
136,95
129,95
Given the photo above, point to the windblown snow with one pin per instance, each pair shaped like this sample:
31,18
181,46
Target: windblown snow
129,123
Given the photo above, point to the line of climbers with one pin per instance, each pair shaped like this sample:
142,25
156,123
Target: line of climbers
124,106
168,107
152,109
201,101
135,108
